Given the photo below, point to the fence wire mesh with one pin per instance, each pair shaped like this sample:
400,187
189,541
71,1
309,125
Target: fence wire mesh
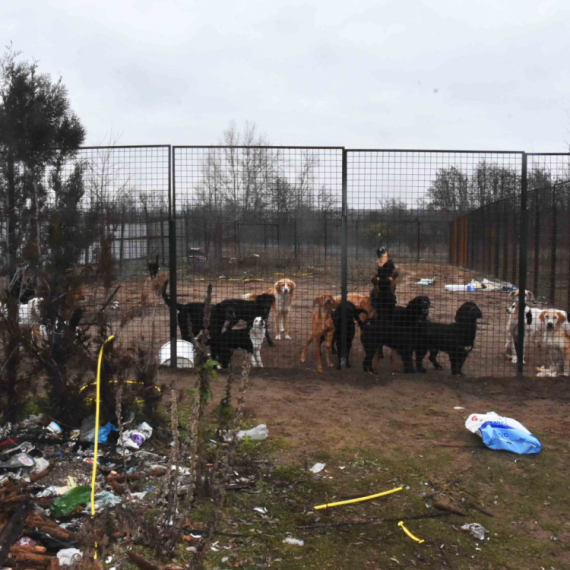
246,219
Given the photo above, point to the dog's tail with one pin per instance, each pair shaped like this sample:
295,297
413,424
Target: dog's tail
167,298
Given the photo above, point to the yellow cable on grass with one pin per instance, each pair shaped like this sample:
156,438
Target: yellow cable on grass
419,540
368,498
97,408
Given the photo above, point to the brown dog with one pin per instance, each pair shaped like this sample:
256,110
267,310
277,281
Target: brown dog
284,290
322,326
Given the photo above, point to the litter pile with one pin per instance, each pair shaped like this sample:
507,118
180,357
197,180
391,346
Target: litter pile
483,285
45,489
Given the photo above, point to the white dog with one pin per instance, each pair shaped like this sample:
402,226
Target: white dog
532,328
556,338
257,334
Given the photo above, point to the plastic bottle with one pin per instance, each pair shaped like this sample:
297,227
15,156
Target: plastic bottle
66,503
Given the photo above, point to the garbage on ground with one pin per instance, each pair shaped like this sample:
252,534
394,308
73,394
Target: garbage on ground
54,428
546,372
418,540
476,530
484,285
134,438
257,433
294,541
317,467
426,281
69,556
66,503
458,408
53,491
87,434
261,510
499,432
41,465
18,461
184,354
105,500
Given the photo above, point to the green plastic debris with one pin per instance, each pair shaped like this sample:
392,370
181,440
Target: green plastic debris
66,503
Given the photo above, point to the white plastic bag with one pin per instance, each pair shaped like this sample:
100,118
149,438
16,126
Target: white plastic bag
258,433
134,438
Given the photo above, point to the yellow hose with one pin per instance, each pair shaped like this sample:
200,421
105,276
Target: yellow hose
97,409
368,498
401,523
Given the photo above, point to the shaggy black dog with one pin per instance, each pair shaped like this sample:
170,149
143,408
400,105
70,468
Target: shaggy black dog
191,317
457,339
400,332
352,319
248,310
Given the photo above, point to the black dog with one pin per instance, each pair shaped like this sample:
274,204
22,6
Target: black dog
352,319
401,332
386,268
191,317
153,267
457,339
228,342
248,310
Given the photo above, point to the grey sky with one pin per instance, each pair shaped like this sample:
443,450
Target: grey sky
364,74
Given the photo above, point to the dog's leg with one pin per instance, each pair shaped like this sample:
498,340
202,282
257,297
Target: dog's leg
420,354
304,351
278,325
318,354
433,359
328,347
287,320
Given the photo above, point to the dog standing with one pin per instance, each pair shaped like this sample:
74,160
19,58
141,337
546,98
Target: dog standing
283,290
322,326
532,327
257,334
556,338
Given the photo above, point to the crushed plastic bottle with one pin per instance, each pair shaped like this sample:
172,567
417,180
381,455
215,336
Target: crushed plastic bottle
19,461
66,503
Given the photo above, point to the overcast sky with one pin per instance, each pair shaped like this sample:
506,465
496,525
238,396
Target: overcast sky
449,74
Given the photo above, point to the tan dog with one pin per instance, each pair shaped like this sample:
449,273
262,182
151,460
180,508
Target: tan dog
556,339
322,326
284,290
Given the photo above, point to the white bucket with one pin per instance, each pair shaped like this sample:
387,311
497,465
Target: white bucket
184,354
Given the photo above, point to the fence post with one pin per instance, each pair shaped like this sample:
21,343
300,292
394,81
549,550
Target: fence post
523,259
553,248
172,253
344,263
536,203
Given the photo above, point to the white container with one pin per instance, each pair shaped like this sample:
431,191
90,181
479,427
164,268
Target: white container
184,354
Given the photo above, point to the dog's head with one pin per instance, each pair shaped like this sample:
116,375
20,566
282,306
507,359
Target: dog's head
528,296
552,319
226,315
265,300
419,307
468,312
284,286
258,323
324,301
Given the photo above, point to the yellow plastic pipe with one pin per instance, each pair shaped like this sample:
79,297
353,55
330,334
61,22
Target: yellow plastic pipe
97,410
419,540
351,501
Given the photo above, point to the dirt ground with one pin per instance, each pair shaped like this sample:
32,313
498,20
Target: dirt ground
487,358
374,433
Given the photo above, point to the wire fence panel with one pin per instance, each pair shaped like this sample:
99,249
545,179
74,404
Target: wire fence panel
449,222
549,232
248,220
103,215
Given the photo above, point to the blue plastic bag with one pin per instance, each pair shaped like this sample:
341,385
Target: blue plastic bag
499,432
105,431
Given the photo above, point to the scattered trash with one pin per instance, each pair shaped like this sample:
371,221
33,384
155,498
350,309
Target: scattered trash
261,510
133,439
41,465
294,541
54,428
546,372
66,503
105,500
184,354
484,285
418,540
476,530
257,433
18,461
69,556
458,408
499,432
87,433
53,491
317,467
426,281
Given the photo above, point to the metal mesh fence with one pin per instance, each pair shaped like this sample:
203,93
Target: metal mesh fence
248,220
449,222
